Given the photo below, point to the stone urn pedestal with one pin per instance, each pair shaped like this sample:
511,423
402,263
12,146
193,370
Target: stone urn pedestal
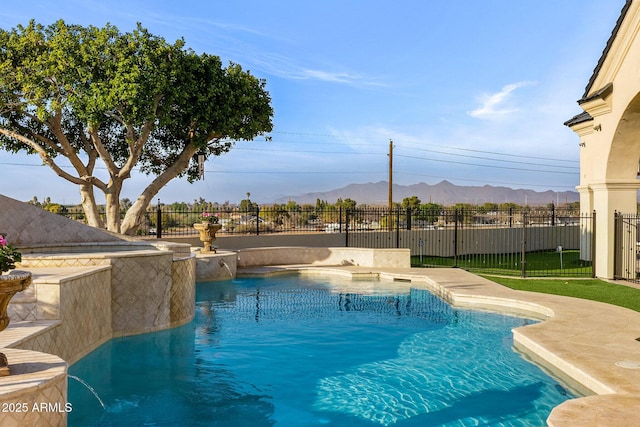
10,284
207,232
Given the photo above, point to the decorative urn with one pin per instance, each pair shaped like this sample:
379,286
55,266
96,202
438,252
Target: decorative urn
11,283
208,229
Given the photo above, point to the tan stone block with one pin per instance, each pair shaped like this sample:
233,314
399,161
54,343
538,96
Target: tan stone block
48,307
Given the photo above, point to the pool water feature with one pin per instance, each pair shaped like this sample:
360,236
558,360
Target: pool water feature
295,351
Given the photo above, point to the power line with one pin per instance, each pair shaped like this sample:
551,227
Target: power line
398,143
312,151
496,160
488,166
425,150
296,172
494,153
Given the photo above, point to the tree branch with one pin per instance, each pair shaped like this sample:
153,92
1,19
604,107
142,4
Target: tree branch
54,124
47,159
48,142
135,149
103,152
91,152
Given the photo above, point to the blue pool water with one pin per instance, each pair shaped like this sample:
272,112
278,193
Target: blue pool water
293,351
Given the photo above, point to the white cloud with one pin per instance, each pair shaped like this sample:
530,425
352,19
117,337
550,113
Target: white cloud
496,105
330,77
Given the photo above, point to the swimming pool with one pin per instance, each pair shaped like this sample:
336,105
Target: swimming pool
299,351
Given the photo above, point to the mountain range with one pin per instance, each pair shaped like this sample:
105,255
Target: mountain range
444,193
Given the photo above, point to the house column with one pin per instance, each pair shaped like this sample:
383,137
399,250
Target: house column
609,197
586,222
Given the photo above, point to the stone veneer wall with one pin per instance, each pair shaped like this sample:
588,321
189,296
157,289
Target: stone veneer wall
35,394
382,258
183,291
221,265
140,293
77,302
141,286
90,298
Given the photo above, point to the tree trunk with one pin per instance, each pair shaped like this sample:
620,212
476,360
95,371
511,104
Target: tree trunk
113,206
90,207
133,218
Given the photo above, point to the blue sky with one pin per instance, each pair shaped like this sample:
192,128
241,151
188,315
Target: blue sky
471,92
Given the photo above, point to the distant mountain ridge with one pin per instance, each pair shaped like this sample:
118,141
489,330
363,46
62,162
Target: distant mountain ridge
444,193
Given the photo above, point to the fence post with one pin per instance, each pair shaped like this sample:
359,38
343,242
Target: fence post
257,220
617,244
523,243
455,238
158,221
510,217
398,228
408,218
553,214
347,219
593,245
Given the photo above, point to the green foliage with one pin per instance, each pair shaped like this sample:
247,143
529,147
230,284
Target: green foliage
321,205
489,207
411,202
55,208
8,256
179,206
429,212
200,206
507,206
246,205
292,206
127,99
346,203
171,220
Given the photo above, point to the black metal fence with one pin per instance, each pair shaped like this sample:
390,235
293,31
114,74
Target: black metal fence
625,247
527,242
167,222
523,242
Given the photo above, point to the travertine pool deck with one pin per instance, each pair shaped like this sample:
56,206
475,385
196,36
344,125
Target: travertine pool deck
592,343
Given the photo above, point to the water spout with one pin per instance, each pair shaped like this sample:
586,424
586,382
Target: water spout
88,388
222,263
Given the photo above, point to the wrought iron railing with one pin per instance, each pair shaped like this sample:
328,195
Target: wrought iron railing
626,249
524,242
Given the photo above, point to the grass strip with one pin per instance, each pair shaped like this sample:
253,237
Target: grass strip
591,289
538,264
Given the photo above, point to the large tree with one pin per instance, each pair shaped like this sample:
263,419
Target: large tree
117,101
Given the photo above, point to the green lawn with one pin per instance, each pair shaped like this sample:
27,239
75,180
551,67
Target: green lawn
538,264
591,289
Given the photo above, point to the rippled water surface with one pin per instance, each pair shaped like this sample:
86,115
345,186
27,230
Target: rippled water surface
292,351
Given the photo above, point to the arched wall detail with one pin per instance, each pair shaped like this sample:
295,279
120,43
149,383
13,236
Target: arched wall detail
624,151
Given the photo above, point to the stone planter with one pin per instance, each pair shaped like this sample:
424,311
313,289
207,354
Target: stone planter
207,232
10,284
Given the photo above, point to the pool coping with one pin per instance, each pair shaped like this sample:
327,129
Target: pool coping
592,343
